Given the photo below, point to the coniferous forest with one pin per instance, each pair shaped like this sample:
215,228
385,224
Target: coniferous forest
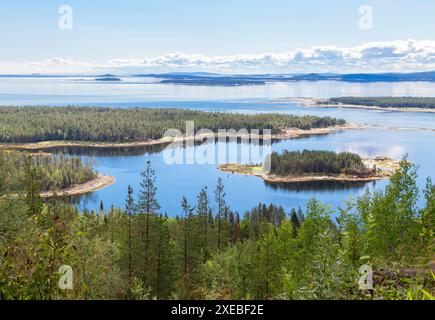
317,162
97,124
208,251
386,102
50,171
230,159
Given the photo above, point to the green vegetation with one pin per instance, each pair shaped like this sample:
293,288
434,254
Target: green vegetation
385,102
317,162
210,252
35,124
50,171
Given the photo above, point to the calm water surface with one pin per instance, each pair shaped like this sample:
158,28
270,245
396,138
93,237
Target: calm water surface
394,134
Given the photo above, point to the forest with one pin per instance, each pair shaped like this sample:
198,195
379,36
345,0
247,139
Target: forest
35,124
208,251
49,171
317,162
385,102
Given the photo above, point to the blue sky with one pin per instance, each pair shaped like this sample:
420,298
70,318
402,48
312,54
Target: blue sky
128,32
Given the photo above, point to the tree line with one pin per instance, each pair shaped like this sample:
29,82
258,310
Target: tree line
385,102
50,171
34,124
207,251
317,162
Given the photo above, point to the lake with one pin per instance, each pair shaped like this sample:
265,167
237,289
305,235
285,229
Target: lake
392,134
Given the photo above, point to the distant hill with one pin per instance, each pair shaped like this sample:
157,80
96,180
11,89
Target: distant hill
369,77
210,79
235,80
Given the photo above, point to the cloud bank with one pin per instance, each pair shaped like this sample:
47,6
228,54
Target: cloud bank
394,56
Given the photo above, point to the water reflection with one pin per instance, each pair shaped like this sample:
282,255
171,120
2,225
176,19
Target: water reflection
90,151
86,201
93,151
318,185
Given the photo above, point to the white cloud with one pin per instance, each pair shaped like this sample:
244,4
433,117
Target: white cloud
401,55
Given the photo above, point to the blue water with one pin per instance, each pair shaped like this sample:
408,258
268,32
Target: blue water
392,134
176,181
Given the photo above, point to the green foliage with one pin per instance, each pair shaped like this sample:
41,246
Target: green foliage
33,124
269,254
317,162
390,218
47,171
386,102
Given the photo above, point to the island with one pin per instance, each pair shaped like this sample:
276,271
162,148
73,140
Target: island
399,104
42,128
315,165
108,78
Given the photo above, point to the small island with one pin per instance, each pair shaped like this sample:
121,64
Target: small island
108,78
307,166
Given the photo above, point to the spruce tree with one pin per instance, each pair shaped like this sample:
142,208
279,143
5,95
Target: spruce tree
32,188
296,224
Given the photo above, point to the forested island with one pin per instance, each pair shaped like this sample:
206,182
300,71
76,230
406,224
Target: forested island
209,251
316,165
111,127
414,104
51,174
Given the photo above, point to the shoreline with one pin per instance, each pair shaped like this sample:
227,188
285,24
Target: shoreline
386,168
100,182
312,103
289,133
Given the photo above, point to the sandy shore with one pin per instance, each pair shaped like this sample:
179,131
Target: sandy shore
100,182
385,169
321,103
287,134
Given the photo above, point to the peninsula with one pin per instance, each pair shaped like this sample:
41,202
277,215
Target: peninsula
41,128
397,104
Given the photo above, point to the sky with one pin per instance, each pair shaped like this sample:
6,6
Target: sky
229,36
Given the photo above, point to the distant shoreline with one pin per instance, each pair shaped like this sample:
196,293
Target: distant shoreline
313,103
385,166
289,133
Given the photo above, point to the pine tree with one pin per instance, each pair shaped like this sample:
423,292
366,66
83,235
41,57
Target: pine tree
129,209
203,210
166,267
221,207
186,224
149,206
